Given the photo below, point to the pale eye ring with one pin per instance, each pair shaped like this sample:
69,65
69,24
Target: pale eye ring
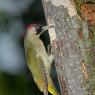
37,27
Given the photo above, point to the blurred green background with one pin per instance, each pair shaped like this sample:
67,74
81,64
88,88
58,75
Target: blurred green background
15,16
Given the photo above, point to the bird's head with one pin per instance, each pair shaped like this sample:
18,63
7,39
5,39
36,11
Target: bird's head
35,28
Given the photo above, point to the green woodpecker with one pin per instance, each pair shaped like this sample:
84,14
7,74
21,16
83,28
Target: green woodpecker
38,61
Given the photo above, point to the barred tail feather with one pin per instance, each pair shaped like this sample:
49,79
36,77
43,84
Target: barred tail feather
44,79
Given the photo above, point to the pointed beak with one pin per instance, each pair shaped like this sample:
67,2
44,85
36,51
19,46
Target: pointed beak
44,28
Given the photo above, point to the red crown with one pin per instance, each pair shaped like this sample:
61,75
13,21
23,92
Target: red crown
30,26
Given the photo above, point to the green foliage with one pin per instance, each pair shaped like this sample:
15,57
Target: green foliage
4,18
17,85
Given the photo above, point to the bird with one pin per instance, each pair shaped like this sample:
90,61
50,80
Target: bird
38,60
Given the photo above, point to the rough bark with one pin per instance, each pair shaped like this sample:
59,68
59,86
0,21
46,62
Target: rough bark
67,47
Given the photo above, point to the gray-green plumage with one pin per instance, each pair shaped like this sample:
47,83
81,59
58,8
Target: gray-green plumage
39,62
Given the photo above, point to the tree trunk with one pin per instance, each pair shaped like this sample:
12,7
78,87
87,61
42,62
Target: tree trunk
68,47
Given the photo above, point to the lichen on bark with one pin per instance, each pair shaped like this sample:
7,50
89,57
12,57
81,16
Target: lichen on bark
72,45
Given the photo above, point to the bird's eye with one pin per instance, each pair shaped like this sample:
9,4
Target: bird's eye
37,27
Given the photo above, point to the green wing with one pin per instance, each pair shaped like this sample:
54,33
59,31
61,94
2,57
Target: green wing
36,66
